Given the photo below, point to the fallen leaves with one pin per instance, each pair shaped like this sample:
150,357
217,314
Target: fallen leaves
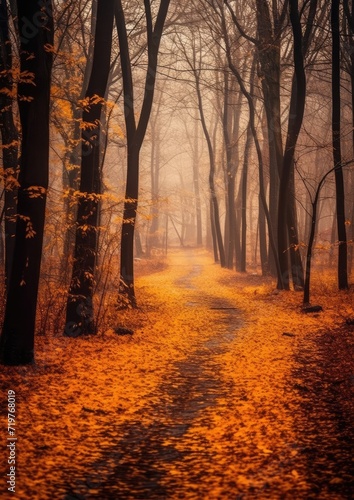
213,396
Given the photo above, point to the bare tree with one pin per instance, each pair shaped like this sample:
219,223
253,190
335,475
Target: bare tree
297,107
135,132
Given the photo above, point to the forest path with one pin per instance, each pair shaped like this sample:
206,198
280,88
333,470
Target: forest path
207,400
156,450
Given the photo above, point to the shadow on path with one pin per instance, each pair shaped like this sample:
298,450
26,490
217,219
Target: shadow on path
145,456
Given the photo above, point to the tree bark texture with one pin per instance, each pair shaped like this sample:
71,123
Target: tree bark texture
35,25
79,311
297,107
337,155
9,139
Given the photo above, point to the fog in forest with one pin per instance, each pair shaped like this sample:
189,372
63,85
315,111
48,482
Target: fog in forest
176,248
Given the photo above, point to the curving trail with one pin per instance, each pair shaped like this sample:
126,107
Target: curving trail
151,451
208,400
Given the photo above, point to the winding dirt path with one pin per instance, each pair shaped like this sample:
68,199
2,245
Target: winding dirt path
150,449
208,400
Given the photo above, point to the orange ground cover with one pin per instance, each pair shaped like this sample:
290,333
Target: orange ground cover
208,398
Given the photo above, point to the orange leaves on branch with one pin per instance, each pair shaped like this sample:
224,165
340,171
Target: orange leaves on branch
36,191
24,77
75,195
14,77
89,125
87,196
9,176
9,92
87,102
130,200
30,232
62,106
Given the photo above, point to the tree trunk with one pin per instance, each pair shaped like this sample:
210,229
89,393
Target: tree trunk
79,310
72,159
198,208
153,238
337,155
314,217
252,124
244,199
9,138
269,59
135,134
351,248
306,298
126,286
215,217
297,268
229,184
297,107
17,340
244,180
263,250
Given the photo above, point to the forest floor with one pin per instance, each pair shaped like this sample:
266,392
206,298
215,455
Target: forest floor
226,390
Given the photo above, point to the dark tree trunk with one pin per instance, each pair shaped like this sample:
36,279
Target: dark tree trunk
297,270
297,107
79,311
71,167
337,155
244,180
17,340
263,250
231,218
153,237
214,205
349,12
135,133
213,232
244,199
287,221
252,124
314,205
263,241
306,298
238,232
198,208
9,138
232,243
269,62
129,217
252,113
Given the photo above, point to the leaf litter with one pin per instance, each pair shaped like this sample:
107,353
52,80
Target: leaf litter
226,390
